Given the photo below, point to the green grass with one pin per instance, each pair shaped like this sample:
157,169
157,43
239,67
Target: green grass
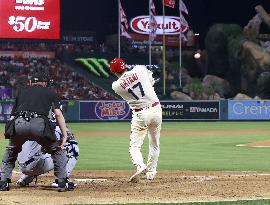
185,152
96,126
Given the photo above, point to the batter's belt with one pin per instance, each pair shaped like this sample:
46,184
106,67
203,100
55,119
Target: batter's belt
147,107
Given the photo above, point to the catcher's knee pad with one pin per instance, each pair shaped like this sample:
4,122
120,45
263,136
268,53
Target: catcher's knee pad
28,170
37,167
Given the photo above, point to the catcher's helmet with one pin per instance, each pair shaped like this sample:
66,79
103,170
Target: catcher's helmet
118,65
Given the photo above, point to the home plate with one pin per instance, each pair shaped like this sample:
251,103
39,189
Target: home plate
90,180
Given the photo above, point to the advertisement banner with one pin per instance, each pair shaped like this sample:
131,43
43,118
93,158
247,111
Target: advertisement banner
170,40
33,19
28,54
78,37
172,110
5,110
172,25
193,110
249,110
5,93
104,110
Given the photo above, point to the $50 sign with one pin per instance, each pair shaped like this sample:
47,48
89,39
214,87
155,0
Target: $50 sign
29,24
32,19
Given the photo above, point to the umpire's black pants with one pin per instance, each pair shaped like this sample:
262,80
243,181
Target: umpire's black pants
33,131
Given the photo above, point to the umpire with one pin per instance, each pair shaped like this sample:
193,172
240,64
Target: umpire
29,121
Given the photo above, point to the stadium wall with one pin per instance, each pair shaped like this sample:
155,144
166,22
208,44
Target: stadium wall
232,110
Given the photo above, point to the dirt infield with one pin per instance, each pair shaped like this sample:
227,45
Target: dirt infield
263,143
107,187
169,186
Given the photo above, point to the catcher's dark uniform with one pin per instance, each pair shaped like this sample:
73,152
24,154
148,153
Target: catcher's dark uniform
32,105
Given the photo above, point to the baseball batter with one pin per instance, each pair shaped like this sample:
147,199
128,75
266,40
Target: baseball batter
34,162
136,87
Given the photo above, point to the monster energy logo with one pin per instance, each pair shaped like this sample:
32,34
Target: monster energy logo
96,66
101,67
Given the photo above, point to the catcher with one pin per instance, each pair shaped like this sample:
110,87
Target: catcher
34,162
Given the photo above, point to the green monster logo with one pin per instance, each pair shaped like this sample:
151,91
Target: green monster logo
96,66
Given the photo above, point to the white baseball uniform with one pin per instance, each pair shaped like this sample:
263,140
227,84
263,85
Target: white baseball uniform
136,87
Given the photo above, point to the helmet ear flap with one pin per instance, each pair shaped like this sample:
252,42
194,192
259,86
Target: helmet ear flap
118,65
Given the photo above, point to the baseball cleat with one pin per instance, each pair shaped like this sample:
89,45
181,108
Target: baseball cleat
55,183
64,185
71,185
4,185
150,175
25,180
135,177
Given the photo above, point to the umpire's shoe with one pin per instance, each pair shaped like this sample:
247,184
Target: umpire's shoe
4,185
64,185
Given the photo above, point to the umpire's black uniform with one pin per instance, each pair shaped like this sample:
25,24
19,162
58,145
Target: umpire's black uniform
32,105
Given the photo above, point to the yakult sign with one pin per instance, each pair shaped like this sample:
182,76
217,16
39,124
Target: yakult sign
36,19
171,26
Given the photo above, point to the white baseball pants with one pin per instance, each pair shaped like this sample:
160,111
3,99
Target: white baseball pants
147,121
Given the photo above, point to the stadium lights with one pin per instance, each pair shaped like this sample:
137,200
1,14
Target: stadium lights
197,55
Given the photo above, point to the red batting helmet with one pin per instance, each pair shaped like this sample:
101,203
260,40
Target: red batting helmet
118,65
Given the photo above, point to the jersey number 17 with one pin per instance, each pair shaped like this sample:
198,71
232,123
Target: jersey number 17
139,86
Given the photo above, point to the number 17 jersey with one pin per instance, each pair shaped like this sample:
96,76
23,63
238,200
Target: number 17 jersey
136,87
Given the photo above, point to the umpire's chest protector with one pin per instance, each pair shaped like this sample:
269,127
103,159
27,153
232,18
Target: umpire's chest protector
49,133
